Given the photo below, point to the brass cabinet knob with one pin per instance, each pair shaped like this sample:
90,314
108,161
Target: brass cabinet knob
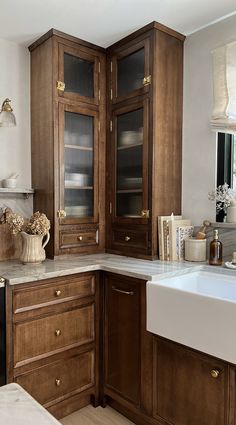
57,382
57,332
147,80
215,373
61,86
61,213
80,238
145,213
2,280
127,238
58,293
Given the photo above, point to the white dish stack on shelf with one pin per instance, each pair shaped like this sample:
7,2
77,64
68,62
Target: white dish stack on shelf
131,137
76,179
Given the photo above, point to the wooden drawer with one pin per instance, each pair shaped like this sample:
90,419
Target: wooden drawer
78,238
130,238
38,338
58,379
55,291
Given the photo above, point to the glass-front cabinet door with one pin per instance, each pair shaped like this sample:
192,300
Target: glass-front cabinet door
78,75
130,70
78,165
130,137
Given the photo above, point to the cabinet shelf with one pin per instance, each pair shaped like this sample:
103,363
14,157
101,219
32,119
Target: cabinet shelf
121,148
81,148
79,187
129,191
16,191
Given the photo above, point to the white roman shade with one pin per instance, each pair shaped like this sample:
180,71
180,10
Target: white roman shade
224,85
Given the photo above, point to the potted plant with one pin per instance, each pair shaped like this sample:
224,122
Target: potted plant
225,199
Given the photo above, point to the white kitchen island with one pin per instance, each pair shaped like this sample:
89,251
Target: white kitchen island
17,407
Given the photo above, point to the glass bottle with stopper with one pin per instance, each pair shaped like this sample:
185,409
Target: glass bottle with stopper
215,257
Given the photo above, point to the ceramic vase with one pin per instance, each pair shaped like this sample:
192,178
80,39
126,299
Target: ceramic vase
33,248
231,214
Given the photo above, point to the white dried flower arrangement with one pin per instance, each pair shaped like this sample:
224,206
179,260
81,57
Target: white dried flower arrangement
223,196
38,224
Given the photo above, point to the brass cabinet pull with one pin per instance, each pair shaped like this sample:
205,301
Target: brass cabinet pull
58,293
61,213
61,86
80,238
122,291
57,332
147,80
145,213
215,373
2,280
127,238
57,382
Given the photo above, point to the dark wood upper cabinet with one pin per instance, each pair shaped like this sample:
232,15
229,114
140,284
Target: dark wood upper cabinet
68,103
130,152
78,141
145,89
78,74
87,178
130,69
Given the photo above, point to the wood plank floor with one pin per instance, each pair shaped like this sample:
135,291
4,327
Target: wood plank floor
99,416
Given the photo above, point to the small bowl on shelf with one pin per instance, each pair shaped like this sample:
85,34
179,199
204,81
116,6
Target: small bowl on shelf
9,183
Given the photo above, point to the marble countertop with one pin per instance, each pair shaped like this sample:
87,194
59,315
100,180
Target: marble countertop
17,407
14,272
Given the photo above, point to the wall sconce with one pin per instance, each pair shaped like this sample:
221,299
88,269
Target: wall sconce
7,118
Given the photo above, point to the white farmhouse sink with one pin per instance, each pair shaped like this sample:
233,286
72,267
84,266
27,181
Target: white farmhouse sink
197,309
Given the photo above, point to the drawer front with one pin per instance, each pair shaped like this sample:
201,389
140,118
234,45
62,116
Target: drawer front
34,339
71,287
77,239
130,238
53,381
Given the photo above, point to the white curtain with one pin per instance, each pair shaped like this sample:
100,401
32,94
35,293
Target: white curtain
224,85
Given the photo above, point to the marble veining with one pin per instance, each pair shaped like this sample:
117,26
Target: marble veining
14,272
17,407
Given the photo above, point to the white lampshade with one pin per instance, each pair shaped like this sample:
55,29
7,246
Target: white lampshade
7,118
224,85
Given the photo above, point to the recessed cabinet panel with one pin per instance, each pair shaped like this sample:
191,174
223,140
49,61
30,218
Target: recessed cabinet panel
122,337
189,387
79,75
130,72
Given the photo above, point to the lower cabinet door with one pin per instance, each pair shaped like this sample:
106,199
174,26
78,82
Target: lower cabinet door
189,387
64,377
122,337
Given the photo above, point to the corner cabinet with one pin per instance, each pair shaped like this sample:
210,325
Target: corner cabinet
145,85
68,141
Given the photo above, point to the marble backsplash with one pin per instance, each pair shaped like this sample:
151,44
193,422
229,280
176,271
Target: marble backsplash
227,235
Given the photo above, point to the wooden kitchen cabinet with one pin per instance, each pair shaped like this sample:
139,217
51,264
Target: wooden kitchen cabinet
127,375
145,85
188,386
53,340
68,141
122,337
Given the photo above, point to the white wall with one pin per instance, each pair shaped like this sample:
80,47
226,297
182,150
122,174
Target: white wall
199,143
15,142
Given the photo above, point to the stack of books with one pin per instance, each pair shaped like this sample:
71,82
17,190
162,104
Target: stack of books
172,231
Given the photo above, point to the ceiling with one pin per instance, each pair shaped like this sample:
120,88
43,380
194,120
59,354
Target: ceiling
105,21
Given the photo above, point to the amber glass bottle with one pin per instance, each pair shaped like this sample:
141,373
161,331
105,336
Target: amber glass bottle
215,258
